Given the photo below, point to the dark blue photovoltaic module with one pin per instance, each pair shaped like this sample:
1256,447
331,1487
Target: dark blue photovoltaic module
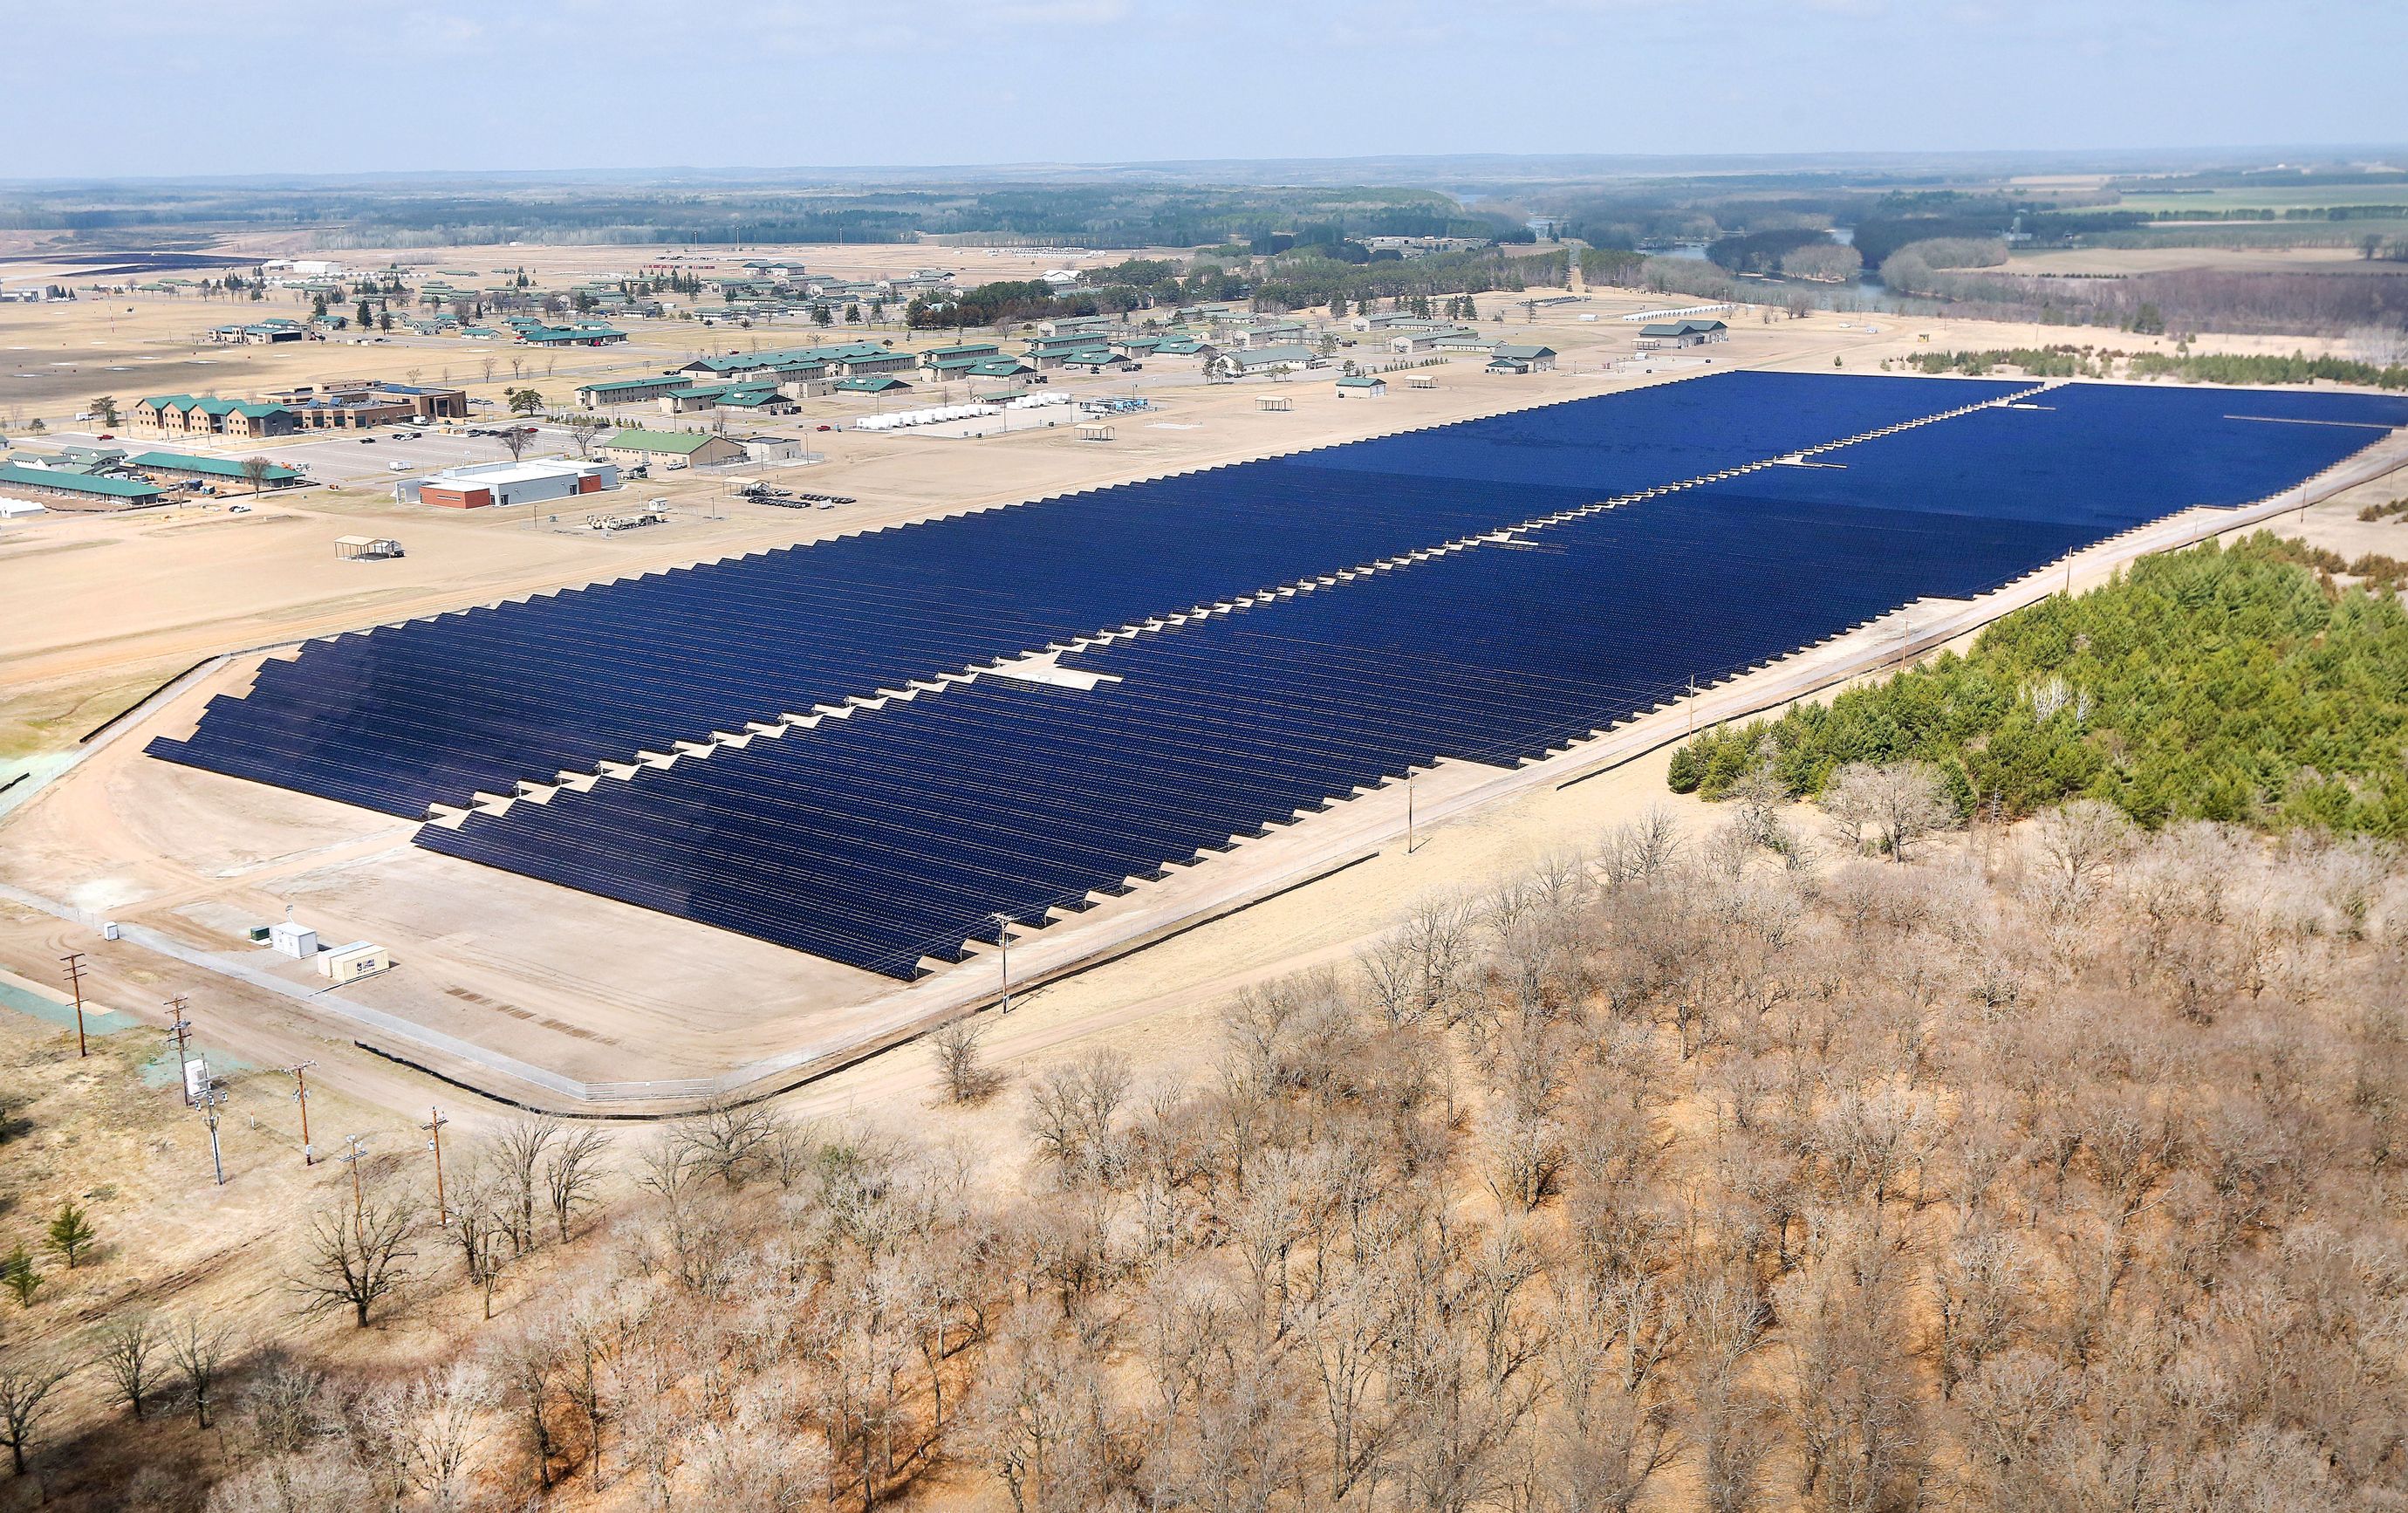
895,834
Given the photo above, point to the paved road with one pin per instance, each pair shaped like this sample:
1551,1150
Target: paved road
355,459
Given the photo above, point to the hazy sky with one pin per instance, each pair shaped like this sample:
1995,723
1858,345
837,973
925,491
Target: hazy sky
248,86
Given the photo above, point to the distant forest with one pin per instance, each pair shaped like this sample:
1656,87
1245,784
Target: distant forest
1877,236
1088,216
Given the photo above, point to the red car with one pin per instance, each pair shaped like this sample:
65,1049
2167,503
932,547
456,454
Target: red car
105,437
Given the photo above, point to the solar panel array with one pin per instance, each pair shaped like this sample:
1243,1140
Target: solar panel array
2093,459
435,711
894,834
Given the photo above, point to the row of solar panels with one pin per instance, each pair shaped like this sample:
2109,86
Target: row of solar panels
895,836
435,711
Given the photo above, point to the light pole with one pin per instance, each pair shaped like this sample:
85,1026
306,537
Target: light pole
1410,843
1003,939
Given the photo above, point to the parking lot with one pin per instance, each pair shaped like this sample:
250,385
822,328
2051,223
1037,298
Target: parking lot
347,458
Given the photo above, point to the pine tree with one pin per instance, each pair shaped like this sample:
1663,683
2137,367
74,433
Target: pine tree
71,1233
21,1275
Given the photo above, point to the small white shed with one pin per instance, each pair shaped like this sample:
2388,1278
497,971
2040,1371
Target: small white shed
299,941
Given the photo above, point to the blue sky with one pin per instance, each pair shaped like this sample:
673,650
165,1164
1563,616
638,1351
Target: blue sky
248,86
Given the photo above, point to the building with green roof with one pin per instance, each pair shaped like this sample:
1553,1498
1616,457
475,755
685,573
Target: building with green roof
184,468
61,489
1510,357
571,336
634,391
182,415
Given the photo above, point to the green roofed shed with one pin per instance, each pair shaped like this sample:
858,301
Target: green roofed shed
95,486
178,462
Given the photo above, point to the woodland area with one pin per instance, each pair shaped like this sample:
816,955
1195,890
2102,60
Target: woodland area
2233,684
2051,1167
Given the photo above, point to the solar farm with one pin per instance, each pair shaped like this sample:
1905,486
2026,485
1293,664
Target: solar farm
871,748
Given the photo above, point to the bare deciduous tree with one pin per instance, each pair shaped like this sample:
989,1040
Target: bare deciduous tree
355,1257
25,1389
572,1179
954,1047
437,1418
127,1348
1888,809
197,1347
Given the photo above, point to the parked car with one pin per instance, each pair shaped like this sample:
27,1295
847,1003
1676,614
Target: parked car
367,440
238,509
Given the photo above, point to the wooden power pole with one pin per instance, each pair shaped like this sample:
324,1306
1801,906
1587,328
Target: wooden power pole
434,1128
179,1030
351,1159
73,960
301,1095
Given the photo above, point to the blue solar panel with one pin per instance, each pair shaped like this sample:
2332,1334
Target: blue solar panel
438,710
895,834
2097,457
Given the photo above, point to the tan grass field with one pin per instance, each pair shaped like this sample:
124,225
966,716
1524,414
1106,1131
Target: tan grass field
2095,261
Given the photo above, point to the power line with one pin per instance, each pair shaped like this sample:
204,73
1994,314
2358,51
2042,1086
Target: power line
73,960
1003,939
212,1100
351,1158
434,1128
179,1030
301,1095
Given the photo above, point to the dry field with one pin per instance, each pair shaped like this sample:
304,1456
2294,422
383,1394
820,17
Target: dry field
2095,261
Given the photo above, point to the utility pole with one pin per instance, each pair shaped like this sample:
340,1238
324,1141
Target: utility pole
1410,843
1003,939
359,1148
212,1098
73,960
179,1030
301,1095
434,1128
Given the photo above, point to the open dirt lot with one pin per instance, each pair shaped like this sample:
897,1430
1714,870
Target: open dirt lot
579,987
2110,260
